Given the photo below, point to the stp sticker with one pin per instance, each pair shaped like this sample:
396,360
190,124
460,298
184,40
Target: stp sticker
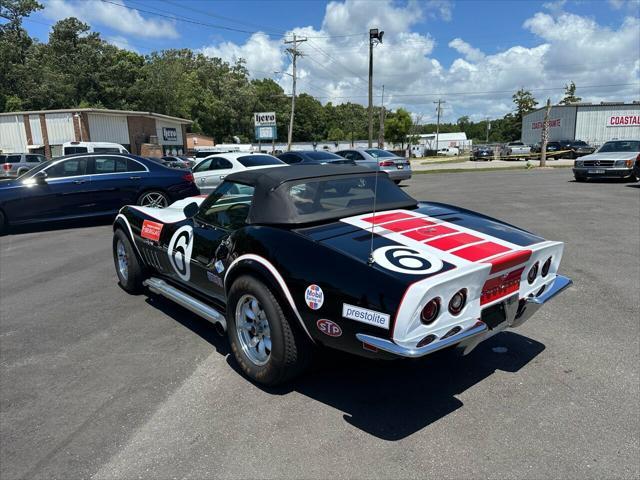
329,328
179,251
151,230
314,297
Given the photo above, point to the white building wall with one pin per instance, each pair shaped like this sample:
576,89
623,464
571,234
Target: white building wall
36,130
13,136
593,127
59,128
562,123
108,128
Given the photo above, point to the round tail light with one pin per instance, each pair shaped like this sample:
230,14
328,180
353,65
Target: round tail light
458,301
546,267
430,311
533,273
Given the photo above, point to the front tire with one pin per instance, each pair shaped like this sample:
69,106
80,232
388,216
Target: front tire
153,198
268,349
128,268
397,182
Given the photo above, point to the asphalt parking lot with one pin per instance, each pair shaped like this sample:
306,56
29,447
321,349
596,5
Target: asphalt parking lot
97,383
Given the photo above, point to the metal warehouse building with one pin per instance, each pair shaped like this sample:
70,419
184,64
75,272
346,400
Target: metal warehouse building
592,123
45,131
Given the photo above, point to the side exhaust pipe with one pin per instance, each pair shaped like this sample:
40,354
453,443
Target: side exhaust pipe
187,301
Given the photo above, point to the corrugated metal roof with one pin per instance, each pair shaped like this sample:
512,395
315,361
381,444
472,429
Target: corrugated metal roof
104,111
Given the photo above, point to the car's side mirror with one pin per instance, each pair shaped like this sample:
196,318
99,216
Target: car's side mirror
40,178
191,210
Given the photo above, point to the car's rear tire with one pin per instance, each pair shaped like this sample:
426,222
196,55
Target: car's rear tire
397,182
128,268
580,178
153,198
22,171
285,351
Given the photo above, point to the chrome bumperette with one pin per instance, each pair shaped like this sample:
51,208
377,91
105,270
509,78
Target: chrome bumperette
389,346
516,311
187,301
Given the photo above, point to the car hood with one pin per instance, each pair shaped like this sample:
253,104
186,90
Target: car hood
611,156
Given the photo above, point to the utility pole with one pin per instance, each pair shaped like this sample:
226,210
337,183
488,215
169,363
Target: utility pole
488,128
439,102
375,37
545,135
293,51
381,132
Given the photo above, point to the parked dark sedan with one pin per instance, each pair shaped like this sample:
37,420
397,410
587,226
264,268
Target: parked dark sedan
483,152
552,149
88,185
313,157
177,161
577,148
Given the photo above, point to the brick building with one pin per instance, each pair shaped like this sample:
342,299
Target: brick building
44,131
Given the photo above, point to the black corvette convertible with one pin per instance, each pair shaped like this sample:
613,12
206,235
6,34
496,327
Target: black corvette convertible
285,258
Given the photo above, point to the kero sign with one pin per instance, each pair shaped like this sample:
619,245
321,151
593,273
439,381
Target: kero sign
623,121
264,119
265,125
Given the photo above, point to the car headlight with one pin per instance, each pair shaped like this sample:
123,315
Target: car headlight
579,163
624,163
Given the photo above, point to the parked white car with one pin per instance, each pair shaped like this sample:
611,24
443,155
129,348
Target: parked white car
69,148
211,171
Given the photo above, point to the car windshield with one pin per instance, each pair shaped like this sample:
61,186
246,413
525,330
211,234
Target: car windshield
328,198
259,160
620,146
378,153
36,169
323,156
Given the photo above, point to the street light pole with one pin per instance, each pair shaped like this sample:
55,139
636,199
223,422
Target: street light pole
439,102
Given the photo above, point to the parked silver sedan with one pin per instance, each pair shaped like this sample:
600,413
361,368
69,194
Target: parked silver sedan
614,159
398,168
211,171
15,164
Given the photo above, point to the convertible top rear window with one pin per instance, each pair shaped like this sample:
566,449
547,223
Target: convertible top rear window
315,200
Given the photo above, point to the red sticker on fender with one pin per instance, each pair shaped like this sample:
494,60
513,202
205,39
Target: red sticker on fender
151,230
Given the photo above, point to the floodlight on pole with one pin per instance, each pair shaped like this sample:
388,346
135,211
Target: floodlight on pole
375,37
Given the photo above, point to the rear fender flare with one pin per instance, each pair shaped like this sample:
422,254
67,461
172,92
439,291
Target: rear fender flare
122,223
266,271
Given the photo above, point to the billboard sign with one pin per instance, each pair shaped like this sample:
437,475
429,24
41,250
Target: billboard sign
266,133
555,123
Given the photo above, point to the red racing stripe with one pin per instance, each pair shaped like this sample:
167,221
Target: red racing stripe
508,260
426,233
480,251
387,217
453,241
408,224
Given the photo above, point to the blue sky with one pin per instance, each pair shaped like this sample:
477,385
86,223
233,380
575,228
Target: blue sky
471,53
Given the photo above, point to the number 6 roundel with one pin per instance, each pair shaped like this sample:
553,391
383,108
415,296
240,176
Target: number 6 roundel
406,260
179,251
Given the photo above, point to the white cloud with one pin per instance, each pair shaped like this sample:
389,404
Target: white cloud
263,56
120,42
124,20
569,48
470,53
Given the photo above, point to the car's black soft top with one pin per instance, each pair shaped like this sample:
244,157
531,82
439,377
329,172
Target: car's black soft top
273,205
270,178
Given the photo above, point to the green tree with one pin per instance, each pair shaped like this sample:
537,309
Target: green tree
570,95
525,103
15,43
335,134
397,126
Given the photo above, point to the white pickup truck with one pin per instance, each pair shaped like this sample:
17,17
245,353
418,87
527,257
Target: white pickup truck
515,148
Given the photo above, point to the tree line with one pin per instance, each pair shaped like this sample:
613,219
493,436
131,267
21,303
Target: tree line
76,68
